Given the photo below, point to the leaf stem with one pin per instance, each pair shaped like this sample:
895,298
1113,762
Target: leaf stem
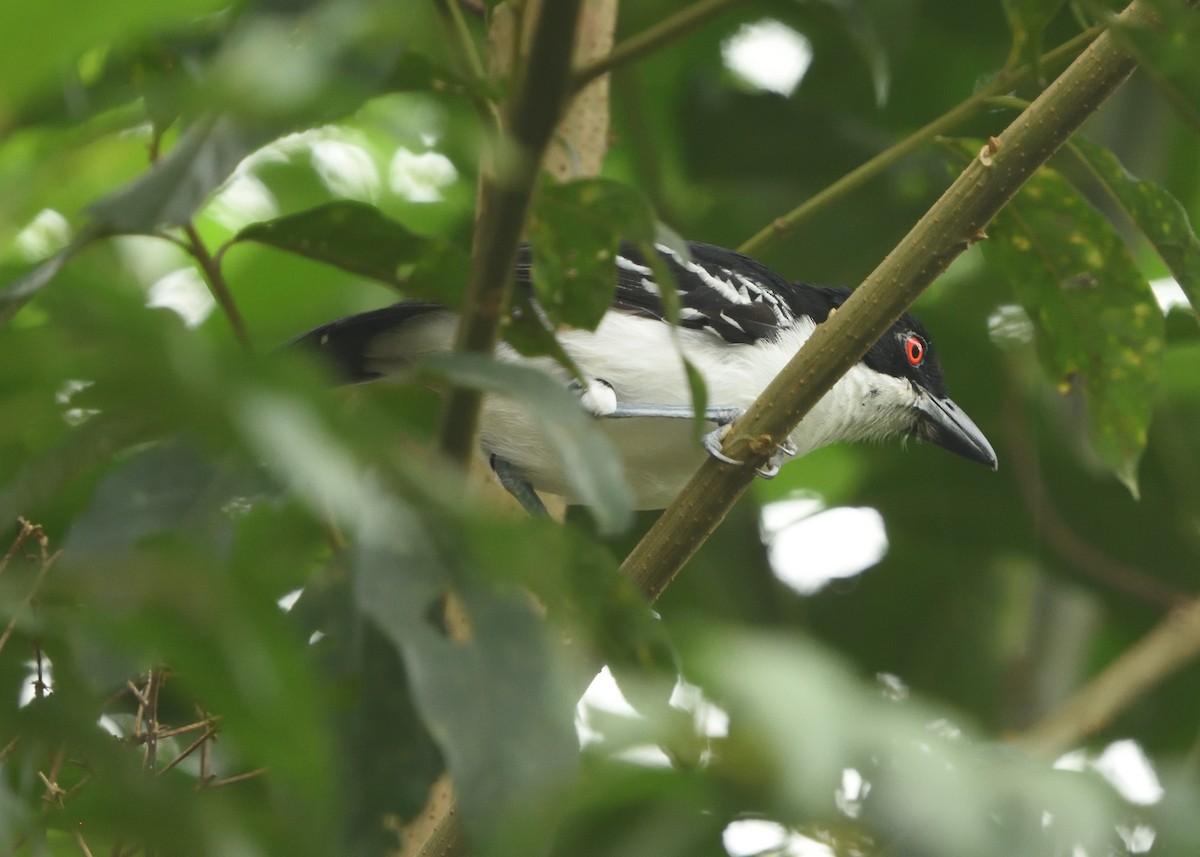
951,225
650,40
211,268
506,189
859,176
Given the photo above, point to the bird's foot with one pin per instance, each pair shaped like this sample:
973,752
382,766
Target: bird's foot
768,470
518,486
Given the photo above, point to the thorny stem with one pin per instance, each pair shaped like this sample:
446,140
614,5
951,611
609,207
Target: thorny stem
859,176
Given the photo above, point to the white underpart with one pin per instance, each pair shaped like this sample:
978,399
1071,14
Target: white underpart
638,359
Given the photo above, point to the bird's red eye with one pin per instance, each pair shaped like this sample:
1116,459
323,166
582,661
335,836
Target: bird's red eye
914,349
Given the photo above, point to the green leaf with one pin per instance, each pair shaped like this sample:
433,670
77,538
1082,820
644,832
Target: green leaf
1098,324
360,239
591,464
171,191
1154,211
574,231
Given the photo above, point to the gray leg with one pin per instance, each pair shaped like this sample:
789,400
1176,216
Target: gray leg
515,483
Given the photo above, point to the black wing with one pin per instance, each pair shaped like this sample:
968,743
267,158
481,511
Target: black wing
723,291
347,342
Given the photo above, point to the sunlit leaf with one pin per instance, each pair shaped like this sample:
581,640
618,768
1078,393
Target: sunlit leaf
585,453
1099,326
359,238
33,50
1154,211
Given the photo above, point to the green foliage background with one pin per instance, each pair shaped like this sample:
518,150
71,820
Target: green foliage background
185,483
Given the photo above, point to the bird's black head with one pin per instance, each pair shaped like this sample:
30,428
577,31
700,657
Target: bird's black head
906,354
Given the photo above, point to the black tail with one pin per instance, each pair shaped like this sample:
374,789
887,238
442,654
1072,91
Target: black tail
345,343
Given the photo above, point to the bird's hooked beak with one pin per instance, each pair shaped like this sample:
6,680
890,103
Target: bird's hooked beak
941,422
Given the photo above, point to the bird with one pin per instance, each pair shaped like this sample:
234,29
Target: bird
739,323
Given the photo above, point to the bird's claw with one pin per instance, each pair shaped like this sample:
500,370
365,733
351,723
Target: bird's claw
784,451
712,443
769,470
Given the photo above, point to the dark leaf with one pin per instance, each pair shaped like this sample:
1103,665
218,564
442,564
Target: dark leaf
1154,211
360,239
482,671
388,760
16,293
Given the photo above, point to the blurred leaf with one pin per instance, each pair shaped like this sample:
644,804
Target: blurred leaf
17,293
171,191
38,40
1154,211
388,760
587,456
359,238
860,27
1027,19
482,669
574,233
1168,53
930,787
1097,321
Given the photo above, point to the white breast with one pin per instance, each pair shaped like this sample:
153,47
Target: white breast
641,359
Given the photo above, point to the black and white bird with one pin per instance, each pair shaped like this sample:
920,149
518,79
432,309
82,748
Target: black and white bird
740,322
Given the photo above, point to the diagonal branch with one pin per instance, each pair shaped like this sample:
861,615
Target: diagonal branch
1172,644
954,222
507,183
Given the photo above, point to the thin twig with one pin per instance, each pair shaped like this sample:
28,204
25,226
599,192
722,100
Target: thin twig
1062,539
210,267
650,40
187,751
47,559
859,176
228,781
1172,644
87,852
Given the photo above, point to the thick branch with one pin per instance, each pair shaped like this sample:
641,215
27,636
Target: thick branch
507,186
953,223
